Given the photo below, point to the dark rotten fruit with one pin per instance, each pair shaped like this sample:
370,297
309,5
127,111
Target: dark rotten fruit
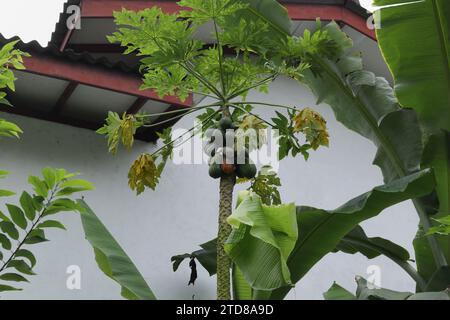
215,171
247,170
228,168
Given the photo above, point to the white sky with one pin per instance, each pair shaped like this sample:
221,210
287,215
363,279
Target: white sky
35,20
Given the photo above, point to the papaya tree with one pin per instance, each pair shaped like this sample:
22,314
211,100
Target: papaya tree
225,69
23,225
251,47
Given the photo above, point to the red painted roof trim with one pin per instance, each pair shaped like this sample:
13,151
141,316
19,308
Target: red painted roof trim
330,12
296,11
105,8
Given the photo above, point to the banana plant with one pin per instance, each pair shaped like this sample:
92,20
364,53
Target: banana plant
422,82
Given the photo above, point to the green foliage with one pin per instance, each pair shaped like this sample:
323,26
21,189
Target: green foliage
147,168
336,292
442,228
306,121
321,231
436,155
9,129
262,239
120,129
422,74
26,223
266,185
431,101
175,62
206,256
111,258
368,291
9,57
367,105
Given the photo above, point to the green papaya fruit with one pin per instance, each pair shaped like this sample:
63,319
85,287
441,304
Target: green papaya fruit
226,123
215,171
247,170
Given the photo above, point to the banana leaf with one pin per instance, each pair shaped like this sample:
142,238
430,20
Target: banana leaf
336,292
367,291
356,241
261,241
437,156
272,12
415,41
367,105
112,259
320,231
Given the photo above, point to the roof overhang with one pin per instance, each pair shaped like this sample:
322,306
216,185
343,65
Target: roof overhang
78,90
345,12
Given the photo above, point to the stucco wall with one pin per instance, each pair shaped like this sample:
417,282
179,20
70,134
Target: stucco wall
183,211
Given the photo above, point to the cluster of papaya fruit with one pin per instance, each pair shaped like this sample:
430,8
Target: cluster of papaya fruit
227,160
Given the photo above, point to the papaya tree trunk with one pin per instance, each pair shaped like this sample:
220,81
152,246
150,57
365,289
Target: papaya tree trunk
227,183
223,261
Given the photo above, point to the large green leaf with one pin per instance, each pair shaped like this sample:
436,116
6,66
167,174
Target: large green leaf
336,292
112,259
368,291
424,257
437,156
272,12
261,241
320,231
415,42
367,105
356,241
241,288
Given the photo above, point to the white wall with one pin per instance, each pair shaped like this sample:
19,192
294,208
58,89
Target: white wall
182,213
